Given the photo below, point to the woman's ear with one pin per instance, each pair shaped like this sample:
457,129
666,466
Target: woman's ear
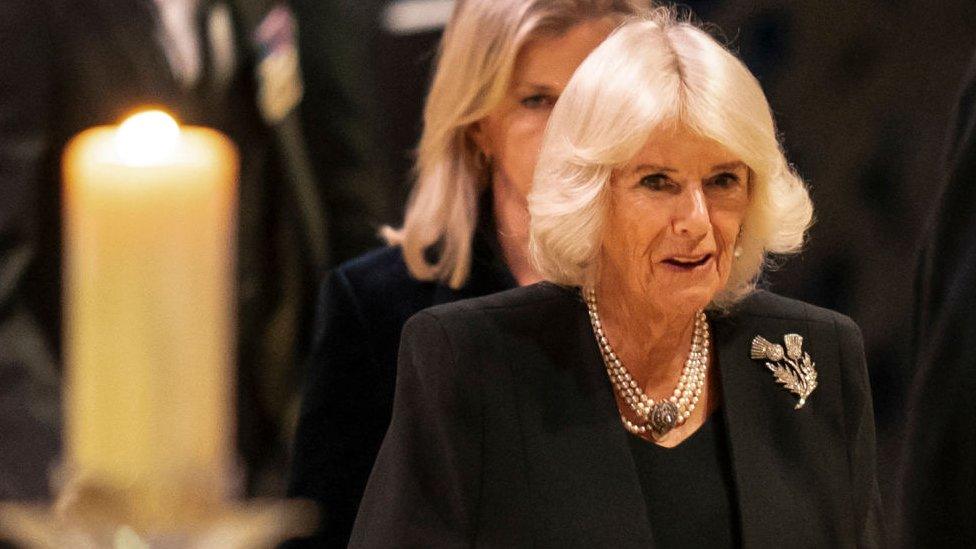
477,134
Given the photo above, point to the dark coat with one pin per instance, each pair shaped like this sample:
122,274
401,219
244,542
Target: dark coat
938,481
505,432
348,398
68,65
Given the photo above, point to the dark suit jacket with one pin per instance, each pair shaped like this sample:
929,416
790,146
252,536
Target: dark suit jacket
505,432
938,481
71,64
349,393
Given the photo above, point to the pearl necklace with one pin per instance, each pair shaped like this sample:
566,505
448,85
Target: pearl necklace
655,417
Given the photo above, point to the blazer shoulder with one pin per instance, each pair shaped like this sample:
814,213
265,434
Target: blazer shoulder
381,263
764,304
536,299
380,274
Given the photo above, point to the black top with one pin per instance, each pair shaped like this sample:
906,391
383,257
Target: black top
505,432
348,395
688,489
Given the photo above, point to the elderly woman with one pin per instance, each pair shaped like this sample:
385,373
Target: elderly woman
502,65
646,394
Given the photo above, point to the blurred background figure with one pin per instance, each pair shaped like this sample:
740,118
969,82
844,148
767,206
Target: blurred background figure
501,67
232,65
366,73
938,481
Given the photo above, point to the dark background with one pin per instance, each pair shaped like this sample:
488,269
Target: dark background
862,92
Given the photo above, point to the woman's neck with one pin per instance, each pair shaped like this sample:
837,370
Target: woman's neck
653,343
512,226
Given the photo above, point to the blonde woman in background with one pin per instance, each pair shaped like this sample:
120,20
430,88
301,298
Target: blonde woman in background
645,394
502,65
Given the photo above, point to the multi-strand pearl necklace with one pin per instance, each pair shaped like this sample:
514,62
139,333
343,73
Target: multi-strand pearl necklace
655,417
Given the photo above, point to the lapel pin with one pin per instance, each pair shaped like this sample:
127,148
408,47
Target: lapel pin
793,369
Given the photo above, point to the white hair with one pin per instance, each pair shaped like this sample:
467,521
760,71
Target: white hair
650,72
474,68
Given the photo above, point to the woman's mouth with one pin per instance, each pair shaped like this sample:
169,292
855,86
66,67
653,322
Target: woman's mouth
688,263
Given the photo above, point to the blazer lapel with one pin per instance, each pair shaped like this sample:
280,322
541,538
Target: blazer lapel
789,465
580,466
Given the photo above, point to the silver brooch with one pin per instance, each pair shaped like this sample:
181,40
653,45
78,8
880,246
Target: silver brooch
793,369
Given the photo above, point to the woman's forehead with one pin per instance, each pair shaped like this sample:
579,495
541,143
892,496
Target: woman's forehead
675,147
551,60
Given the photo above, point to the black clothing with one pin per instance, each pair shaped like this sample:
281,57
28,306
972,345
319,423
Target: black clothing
938,481
348,398
689,489
505,432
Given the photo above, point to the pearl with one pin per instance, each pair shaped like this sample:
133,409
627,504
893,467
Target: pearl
688,388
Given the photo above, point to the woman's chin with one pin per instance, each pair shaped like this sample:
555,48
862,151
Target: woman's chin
687,299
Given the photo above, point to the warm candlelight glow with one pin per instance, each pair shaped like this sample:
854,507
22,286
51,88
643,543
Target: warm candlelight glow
149,332
147,138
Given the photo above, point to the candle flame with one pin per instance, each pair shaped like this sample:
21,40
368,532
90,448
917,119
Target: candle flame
147,138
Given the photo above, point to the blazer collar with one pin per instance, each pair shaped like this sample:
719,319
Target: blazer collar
789,466
749,440
577,450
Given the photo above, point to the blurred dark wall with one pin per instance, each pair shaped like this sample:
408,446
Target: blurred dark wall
862,93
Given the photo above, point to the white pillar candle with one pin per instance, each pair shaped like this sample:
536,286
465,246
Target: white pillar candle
149,213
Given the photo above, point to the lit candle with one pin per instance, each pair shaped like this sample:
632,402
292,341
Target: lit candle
149,212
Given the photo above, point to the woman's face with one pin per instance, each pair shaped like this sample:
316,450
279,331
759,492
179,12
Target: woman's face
512,133
675,214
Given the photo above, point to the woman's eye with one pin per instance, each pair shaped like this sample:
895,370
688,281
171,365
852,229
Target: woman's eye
724,180
656,182
538,101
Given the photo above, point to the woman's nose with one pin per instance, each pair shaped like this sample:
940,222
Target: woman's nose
691,214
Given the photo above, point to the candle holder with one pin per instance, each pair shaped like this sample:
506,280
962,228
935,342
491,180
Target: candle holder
90,515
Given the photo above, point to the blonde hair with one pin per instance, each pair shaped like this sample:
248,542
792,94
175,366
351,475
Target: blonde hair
650,72
474,68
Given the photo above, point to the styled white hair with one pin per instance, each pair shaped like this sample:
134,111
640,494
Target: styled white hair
474,69
650,72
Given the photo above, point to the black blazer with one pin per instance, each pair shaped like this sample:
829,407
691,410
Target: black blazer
348,396
505,432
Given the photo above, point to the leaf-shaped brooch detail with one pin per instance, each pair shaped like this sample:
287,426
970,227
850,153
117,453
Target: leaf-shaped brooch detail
793,369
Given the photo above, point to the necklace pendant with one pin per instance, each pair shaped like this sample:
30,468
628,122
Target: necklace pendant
663,418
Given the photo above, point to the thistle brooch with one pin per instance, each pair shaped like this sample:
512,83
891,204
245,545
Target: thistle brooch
793,369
